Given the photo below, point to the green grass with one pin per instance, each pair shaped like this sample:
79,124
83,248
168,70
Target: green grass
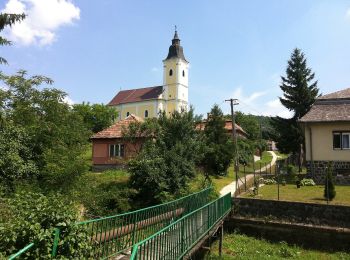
311,194
265,158
243,247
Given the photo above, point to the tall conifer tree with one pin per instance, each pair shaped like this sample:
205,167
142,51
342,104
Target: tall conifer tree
299,93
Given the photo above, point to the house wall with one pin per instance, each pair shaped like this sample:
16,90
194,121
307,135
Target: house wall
319,151
322,142
100,151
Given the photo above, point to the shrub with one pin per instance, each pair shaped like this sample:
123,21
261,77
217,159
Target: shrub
32,217
307,182
329,189
269,181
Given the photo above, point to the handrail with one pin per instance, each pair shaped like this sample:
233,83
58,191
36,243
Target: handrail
24,249
175,240
114,234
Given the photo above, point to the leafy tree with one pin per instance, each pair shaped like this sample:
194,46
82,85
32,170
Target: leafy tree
97,116
167,161
329,189
31,217
220,147
8,20
55,136
299,93
249,123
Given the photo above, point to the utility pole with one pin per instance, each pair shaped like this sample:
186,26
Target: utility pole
234,102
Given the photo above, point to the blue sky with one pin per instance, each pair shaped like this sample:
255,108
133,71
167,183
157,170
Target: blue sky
237,49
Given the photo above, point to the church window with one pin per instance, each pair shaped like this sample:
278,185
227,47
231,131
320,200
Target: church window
183,73
127,114
146,113
171,72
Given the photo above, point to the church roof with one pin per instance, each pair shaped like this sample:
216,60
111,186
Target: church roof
136,95
116,130
175,49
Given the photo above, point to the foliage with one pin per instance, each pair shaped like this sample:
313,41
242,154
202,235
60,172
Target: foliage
245,150
270,181
32,217
53,136
220,147
167,162
249,123
290,169
299,93
307,182
103,194
329,188
8,20
97,116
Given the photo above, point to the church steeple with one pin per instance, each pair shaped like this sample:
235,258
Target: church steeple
175,49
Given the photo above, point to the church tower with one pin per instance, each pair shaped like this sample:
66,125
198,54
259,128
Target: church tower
175,78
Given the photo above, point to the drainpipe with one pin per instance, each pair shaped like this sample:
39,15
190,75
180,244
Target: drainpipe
311,153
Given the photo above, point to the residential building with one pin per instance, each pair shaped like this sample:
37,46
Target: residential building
327,136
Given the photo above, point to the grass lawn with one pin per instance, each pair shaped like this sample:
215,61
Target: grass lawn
311,194
243,247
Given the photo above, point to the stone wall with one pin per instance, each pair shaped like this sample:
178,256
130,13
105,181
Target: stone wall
341,171
297,212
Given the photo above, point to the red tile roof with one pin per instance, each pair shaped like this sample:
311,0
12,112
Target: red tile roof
116,130
228,126
136,95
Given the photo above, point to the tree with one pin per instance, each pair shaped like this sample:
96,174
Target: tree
220,147
54,136
97,116
167,161
8,20
329,189
299,93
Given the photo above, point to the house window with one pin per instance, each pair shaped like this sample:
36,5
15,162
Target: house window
170,72
146,113
116,150
341,140
127,114
183,73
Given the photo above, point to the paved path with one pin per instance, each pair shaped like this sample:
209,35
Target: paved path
232,186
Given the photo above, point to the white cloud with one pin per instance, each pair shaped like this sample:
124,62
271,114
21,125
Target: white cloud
44,17
247,99
154,69
275,108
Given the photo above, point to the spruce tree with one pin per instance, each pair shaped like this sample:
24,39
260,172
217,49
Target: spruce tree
329,189
299,93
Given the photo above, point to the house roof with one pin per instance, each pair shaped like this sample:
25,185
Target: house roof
136,95
332,107
228,126
116,130
341,94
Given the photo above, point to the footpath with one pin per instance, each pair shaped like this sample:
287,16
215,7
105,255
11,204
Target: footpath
232,186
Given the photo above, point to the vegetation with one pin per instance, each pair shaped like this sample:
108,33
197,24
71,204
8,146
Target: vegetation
239,246
165,165
311,194
329,189
96,116
299,93
220,147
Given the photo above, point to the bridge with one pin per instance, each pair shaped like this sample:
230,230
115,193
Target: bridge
173,230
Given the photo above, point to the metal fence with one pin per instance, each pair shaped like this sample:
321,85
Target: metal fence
115,234
22,251
175,240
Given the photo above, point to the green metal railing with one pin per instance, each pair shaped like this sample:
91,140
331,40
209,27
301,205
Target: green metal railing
175,240
20,252
115,234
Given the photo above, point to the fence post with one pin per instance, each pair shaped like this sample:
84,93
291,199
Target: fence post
245,178
55,242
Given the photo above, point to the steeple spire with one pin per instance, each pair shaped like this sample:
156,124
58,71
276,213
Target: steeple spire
175,49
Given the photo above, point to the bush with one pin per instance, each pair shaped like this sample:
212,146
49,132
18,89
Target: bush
32,217
269,181
329,189
307,182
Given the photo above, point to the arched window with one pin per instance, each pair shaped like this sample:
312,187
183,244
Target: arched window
183,73
127,114
170,72
146,113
